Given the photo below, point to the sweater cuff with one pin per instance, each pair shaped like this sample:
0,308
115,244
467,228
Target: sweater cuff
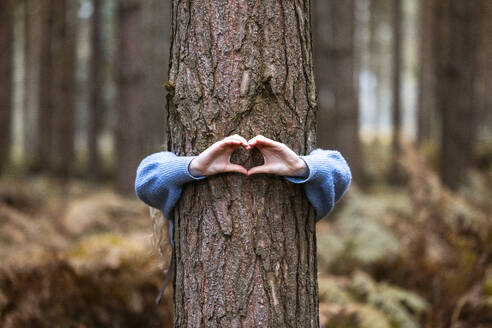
302,179
183,170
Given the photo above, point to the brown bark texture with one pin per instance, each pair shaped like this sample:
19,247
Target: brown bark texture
6,64
456,75
245,246
338,117
96,87
129,99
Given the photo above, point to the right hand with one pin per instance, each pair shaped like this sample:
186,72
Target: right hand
217,158
279,158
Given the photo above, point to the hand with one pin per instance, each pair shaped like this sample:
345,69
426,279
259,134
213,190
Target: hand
279,159
217,158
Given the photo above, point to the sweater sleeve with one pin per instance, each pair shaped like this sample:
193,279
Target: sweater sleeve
328,180
160,178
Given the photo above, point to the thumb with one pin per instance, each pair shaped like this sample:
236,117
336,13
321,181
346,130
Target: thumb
259,169
236,168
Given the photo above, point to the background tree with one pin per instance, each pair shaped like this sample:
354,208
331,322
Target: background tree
33,27
129,99
245,255
338,117
396,88
379,56
427,94
65,13
46,89
156,16
96,85
6,46
458,45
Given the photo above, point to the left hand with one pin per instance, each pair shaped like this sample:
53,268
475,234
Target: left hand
217,158
279,159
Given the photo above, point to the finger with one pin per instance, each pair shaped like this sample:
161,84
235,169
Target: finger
231,142
252,141
243,141
236,168
259,169
261,140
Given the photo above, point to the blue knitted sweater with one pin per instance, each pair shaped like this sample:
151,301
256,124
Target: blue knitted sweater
161,176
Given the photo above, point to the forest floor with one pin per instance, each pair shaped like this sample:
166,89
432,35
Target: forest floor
79,255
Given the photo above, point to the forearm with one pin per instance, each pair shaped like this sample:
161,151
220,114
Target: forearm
160,177
328,179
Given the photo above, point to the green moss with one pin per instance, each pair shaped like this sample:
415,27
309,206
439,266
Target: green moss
366,303
487,287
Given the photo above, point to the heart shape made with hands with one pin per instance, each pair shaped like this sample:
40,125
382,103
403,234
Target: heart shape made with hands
277,158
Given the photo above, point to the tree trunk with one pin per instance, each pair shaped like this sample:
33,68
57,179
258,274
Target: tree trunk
380,54
64,91
457,105
245,246
96,87
483,103
397,60
46,87
128,126
427,94
6,65
32,46
338,123
155,31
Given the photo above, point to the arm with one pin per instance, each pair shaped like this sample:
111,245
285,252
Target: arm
324,173
160,176
328,180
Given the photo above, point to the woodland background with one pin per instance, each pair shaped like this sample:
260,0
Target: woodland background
404,93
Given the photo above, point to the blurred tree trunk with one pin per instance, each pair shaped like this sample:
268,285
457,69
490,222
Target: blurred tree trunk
6,65
32,47
155,31
64,88
484,74
458,45
338,123
396,88
96,92
375,61
427,94
46,86
245,246
129,99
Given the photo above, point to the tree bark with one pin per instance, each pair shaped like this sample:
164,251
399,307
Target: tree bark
130,75
456,80
245,246
64,89
6,64
96,87
338,122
